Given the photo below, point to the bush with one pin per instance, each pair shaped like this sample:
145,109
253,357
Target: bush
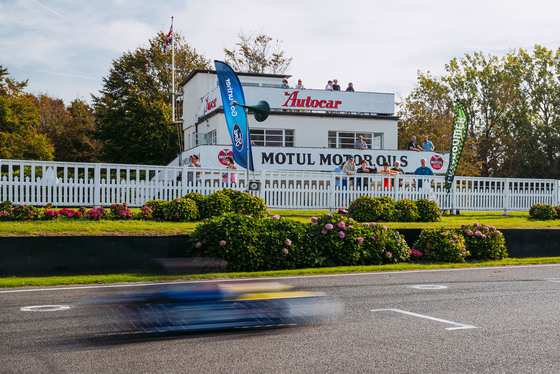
51,214
157,207
215,204
367,209
343,241
5,211
440,244
69,213
382,245
234,238
428,210
245,203
96,214
363,209
24,212
145,213
542,211
6,206
484,242
406,211
181,210
120,211
196,197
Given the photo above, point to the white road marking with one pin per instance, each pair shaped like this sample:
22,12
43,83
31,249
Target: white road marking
428,287
44,308
554,280
458,326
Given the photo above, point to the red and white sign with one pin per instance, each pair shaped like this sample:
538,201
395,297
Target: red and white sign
308,100
436,162
223,154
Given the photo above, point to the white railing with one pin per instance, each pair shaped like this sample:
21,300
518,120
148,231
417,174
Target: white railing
83,184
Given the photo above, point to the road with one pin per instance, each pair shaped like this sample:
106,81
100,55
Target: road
489,320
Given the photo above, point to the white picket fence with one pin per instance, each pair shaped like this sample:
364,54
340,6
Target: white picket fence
87,184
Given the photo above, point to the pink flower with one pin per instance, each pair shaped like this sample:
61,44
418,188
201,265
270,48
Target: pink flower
372,237
222,243
429,245
350,227
360,239
329,226
285,251
314,219
384,228
341,235
341,224
276,216
388,254
198,245
323,231
288,242
416,253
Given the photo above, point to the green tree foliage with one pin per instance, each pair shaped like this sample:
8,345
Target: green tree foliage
133,110
70,129
259,54
513,103
18,123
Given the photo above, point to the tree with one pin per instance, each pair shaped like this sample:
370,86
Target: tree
133,110
259,54
428,110
18,123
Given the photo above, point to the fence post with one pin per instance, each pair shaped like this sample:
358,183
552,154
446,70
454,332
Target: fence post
506,197
97,185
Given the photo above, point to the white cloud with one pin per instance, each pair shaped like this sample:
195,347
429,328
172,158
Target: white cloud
66,47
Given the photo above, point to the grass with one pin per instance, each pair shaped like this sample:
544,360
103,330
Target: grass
68,227
125,278
515,220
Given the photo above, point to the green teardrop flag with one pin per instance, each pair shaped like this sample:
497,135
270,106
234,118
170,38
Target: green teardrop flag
458,139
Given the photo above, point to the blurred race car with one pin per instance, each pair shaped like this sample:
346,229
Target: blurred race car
213,307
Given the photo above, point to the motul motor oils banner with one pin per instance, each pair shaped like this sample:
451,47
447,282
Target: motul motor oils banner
318,159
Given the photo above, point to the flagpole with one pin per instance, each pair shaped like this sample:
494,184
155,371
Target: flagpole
172,74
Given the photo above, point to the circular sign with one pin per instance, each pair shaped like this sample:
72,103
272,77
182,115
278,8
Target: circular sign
436,162
237,135
44,308
223,154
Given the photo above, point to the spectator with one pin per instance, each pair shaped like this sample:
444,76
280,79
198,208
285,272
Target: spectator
398,170
284,83
299,85
194,164
329,86
427,145
338,169
349,169
360,143
363,169
387,182
423,170
230,164
413,146
350,87
335,85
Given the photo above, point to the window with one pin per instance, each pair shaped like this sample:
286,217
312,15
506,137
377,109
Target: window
272,137
347,139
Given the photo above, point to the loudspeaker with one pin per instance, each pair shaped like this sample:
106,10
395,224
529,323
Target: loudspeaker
261,110
254,186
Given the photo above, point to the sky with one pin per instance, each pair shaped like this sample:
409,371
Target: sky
65,47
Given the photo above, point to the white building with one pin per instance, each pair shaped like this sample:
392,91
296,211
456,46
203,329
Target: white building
311,129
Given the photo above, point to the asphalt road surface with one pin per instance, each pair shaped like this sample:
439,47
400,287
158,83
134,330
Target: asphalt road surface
491,320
